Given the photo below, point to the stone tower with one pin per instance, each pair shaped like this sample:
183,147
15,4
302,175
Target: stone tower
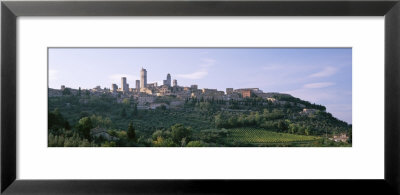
137,85
143,78
124,86
169,80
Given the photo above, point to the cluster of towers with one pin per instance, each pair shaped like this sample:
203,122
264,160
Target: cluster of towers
142,83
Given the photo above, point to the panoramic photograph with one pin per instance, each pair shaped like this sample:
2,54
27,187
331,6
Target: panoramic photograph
199,97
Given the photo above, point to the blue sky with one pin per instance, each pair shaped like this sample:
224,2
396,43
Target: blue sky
318,75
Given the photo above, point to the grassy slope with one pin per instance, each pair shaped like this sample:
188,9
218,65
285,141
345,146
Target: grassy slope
146,122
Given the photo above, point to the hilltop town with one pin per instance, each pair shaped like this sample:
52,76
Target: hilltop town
145,93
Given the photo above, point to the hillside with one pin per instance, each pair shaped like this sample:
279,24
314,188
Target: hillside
171,121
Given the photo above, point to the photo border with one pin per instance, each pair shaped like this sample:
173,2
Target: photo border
10,10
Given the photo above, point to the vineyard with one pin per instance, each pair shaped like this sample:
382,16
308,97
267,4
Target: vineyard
254,136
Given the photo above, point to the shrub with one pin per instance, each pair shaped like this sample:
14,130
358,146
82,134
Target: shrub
195,144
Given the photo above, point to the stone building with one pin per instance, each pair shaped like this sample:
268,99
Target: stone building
193,87
146,99
124,86
164,90
308,111
138,86
146,91
167,82
143,78
246,93
229,91
340,138
152,85
114,87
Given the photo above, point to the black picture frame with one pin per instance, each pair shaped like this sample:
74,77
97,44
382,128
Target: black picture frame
11,10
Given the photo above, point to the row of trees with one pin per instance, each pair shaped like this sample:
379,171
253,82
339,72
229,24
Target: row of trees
231,120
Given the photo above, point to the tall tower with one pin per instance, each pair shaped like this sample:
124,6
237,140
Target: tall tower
124,86
114,87
143,78
175,83
169,80
137,85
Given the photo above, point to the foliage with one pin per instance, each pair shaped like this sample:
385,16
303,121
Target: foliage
350,135
66,91
135,110
99,121
180,133
197,122
195,144
161,142
56,120
126,101
73,141
289,98
131,131
108,144
157,133
84,126
123,112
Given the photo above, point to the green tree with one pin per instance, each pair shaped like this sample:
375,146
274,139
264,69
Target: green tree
282,126
131,131
135,110
179,132
157,134
99,121
108,144
161,142
350,135
123,113
307,131
218,121
195,144
84,127
292,128
67,126
126,101
56,120
66,91
232,121
163,107
204,107
83,114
